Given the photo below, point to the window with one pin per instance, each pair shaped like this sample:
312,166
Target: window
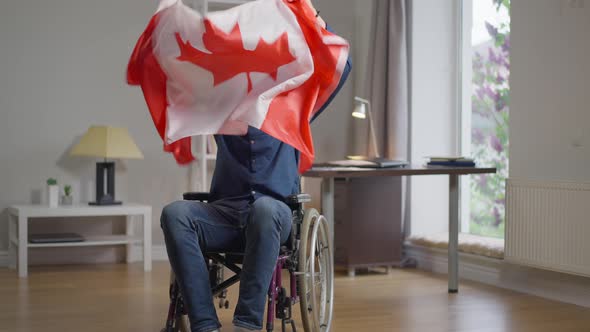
485,99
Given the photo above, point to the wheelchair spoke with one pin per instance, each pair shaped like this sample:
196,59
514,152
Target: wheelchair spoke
320,281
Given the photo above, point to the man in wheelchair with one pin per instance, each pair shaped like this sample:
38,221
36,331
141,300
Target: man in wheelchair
246,212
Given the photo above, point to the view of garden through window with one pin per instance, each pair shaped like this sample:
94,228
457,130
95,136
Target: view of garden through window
490,100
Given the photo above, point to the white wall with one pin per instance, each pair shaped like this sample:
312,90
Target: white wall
434,107
62,69
549,88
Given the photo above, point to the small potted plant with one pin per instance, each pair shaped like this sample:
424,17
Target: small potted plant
67,197
52,192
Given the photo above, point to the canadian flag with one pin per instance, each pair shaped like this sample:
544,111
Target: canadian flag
266,64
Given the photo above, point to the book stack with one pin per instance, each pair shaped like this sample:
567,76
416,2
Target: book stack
451,161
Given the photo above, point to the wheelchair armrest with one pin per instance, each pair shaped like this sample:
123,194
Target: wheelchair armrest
298,199
196,196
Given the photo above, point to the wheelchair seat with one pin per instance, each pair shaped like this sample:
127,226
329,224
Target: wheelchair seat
238,257
293,201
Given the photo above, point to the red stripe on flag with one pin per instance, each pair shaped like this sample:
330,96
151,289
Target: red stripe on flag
144,70
290,112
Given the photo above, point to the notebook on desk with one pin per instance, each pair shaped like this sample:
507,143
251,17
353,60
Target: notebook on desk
368,163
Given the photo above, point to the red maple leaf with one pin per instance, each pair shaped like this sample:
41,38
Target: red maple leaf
228,57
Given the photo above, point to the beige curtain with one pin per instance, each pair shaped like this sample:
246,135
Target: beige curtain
386,84
387,81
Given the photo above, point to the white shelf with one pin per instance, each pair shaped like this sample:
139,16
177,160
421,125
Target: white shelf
19,217
104,240
79,210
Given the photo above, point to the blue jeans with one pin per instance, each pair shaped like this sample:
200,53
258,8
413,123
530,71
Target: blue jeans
256,228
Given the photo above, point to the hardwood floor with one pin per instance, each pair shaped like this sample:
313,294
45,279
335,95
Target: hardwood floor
124,298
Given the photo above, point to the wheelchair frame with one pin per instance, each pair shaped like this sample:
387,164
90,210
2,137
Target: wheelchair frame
309,236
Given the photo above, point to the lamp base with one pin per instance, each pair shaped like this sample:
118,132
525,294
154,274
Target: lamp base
105,171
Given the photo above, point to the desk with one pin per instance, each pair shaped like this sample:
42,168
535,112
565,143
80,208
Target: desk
329,173
19,216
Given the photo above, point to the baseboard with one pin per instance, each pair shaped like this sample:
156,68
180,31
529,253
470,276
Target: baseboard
158,253
4,258
497,272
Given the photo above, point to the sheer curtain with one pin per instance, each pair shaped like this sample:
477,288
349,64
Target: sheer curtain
387,80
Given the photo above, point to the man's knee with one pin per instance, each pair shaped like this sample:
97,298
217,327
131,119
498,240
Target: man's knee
174,215
270,214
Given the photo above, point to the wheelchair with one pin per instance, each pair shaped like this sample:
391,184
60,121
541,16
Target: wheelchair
307,255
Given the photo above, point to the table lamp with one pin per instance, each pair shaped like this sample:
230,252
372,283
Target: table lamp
362,107
108,143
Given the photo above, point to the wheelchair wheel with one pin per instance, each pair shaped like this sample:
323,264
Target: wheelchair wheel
316,273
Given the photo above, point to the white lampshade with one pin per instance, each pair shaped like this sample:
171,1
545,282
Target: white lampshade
360,111
107,142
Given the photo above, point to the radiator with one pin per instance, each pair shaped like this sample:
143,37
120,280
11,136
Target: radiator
548,225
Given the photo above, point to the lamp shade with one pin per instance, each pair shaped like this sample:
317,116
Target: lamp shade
360,111
107,142
360,108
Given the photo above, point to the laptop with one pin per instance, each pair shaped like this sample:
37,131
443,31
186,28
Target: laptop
55,238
